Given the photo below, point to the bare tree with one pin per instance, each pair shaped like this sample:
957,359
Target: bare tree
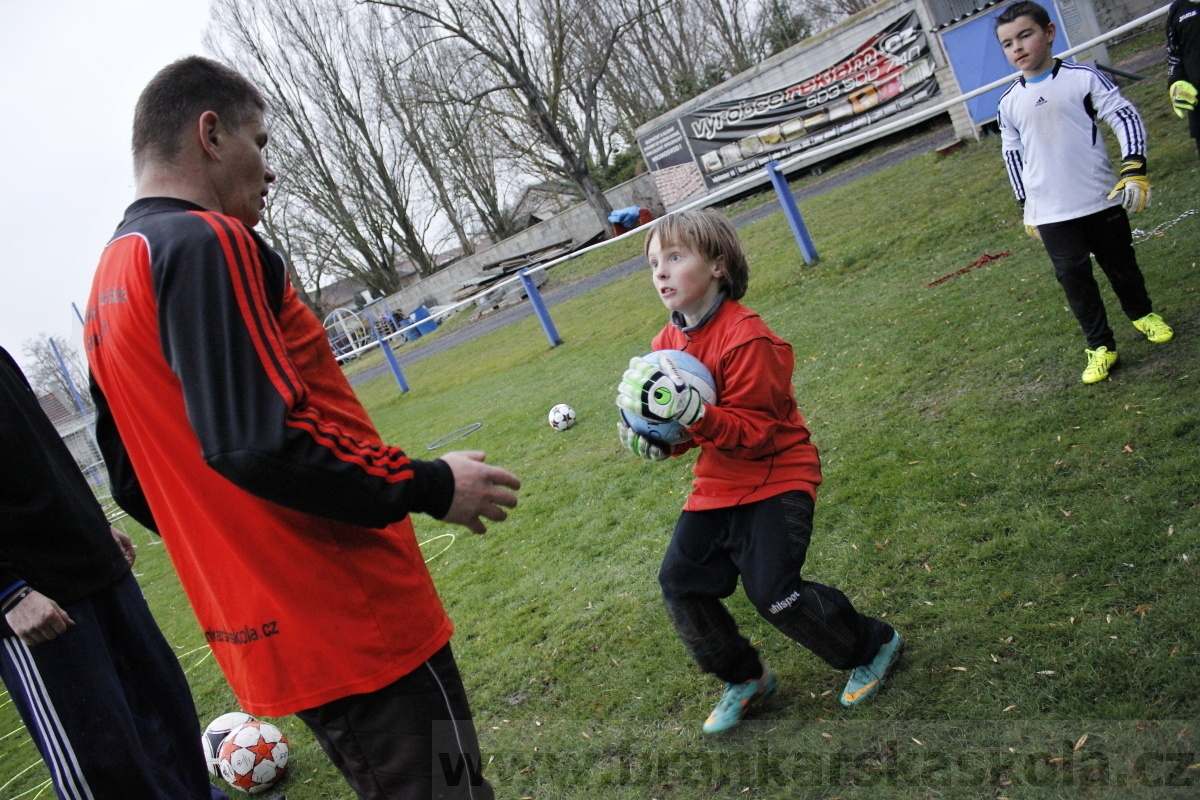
469,140
285,232
407,88
46,374
685,47
349,168
546,56
783,24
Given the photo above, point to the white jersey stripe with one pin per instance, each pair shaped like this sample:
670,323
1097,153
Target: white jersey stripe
458,737
22,660
61,757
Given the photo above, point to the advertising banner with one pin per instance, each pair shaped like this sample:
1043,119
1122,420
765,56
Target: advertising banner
892,70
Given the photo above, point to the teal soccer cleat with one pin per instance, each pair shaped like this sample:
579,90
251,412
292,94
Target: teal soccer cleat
737,698
865,680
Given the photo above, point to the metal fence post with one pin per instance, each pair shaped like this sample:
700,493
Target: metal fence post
389,355
539,308
790,210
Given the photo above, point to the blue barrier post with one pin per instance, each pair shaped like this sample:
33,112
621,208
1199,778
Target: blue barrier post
807,248
389,355
539,308
70,383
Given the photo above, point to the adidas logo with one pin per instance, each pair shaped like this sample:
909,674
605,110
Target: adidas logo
1041,101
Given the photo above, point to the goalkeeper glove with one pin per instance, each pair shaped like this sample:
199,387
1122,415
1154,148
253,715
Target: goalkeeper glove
1033,231
639,445
1183,97
659,393
1134,186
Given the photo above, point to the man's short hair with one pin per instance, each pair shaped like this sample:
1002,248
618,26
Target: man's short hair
1025,8
710,235
177,96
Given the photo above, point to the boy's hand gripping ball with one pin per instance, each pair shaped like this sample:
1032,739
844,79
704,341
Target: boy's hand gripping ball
641,446
644,433
659,392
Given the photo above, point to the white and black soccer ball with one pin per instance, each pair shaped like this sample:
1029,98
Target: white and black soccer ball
562,416
253,757
216,732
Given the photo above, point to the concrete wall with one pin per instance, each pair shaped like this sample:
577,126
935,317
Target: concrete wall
1113,13
578,223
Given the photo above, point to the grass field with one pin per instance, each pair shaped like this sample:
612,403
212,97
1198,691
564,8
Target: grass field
1034,539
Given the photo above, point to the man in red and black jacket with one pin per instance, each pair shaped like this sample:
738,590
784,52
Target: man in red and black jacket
231,430
99,689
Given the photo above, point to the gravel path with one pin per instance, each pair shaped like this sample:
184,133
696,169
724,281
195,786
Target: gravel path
411,354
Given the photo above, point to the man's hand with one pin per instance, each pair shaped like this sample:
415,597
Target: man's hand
1183,97
639,445
1133,186
659,393
478,491
37,619
126,545
1033,231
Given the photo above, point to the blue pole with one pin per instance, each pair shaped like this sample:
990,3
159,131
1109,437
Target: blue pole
70,383
390,356
539,308
807,248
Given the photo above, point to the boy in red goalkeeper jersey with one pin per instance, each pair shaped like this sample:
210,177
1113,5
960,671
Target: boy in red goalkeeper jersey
750,511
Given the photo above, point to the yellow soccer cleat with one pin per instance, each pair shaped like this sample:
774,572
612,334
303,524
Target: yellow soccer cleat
1100,361
1155,329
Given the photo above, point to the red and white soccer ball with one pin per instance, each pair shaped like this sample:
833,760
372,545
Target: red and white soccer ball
215,734
253,757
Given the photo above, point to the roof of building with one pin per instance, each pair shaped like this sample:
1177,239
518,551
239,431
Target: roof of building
946,12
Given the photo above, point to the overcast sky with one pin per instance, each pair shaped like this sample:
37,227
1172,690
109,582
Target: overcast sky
71,73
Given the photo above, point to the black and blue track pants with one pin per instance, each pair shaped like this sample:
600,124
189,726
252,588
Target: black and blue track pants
108,705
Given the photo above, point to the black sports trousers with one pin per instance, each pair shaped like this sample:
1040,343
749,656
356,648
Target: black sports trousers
1107,235
411,740
766,544
108,705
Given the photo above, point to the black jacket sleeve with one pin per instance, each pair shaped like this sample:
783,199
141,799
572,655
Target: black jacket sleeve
126,490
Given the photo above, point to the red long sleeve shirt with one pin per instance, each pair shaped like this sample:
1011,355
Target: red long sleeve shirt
754,443
228,426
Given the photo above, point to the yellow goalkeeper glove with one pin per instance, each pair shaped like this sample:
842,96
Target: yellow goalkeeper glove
1183,97
1133,186
1033,231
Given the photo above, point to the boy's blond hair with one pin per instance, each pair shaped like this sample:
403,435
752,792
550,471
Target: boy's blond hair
710,235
